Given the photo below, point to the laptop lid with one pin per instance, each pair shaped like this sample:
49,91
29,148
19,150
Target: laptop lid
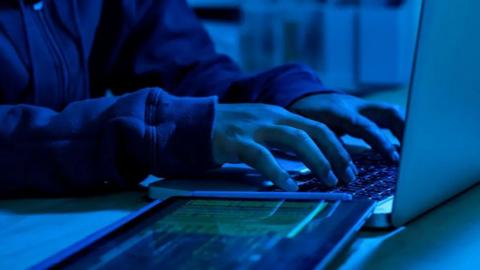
441,148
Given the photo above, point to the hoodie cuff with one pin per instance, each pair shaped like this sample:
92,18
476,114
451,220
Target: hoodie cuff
180,133
289,83
299,90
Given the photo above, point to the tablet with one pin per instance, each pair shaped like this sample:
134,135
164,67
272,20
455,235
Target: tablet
220,233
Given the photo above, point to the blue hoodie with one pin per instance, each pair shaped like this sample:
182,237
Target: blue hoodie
60,135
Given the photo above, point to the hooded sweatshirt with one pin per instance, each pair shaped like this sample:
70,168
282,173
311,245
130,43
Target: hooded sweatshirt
60,135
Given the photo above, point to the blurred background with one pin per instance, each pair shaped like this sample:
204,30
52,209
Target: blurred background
359,46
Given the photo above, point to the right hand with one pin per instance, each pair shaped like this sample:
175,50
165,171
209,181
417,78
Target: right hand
243,132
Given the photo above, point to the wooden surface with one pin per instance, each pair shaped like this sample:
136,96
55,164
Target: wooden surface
446,238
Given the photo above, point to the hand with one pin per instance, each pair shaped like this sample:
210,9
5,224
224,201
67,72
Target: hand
350,115
242,133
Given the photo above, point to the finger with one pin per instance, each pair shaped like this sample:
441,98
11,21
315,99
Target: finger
330,145
299,142
387,116
365,129
259,158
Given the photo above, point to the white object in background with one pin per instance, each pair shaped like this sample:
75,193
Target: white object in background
386,44
339,52
259,36
353,47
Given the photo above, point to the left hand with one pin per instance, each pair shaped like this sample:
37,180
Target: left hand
346,114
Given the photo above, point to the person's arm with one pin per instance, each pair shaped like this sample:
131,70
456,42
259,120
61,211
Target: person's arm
162,43
102,144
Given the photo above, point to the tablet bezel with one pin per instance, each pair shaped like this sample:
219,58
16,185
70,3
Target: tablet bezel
63,257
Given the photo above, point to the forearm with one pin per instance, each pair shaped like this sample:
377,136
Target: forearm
103,144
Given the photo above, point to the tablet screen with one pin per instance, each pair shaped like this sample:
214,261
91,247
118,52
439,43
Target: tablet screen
196,233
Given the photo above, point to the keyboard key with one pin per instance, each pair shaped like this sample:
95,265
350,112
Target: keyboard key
376,178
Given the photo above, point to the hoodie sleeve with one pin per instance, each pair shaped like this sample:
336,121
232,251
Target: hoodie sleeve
162,43
102,144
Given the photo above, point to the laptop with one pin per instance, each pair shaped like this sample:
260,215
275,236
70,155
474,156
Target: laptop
440,155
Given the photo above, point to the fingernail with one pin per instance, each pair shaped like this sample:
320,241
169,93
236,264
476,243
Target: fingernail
304,171
331,179
291,185
395,157
350,175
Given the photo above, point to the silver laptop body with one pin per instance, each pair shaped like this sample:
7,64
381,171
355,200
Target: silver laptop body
441,146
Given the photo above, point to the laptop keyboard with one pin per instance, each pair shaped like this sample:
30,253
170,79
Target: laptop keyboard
376,178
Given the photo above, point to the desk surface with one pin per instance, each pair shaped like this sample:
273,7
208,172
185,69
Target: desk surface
446,238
